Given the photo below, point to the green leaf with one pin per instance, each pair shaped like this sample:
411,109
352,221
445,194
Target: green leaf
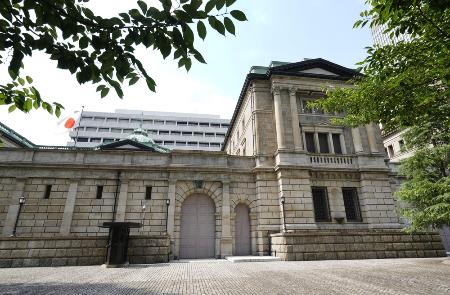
201,30
239,15
29,79
230,2
143,6
229,25
21,81
133,81
11,108
210,5
104,92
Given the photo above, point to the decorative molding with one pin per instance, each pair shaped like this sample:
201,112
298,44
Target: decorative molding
198,183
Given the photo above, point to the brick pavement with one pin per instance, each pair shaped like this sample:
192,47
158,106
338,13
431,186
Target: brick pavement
389,276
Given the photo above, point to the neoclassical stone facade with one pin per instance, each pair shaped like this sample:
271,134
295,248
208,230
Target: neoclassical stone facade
288,183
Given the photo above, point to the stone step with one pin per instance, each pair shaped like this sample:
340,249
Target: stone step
252,258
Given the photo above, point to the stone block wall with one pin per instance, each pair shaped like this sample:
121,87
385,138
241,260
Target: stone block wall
325,245
90,212
65,251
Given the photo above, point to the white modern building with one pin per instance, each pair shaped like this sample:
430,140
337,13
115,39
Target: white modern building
181,131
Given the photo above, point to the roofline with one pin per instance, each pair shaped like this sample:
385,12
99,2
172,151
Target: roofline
15,137
249,78
281,70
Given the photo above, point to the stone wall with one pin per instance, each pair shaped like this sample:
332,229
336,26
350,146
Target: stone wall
324,245
64,251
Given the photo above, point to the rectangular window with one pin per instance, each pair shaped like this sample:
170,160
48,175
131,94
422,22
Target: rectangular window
96,139
82,139
310,145
198,134
175,133
169,142
48,190
148,192
351,203
163,132
115,130
103,129
215,125
91,129
99,191
204,144
124,120
186,133
390,151
159,122
181,143
323,143
337,144
182,123
401,143
193,123
320,202
225,125
204,124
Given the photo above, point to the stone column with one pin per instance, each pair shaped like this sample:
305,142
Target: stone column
357,140
371,138
343,147
316,142
330,142
226,240
13,208
66,222
279,122
295,123
122,201
171,209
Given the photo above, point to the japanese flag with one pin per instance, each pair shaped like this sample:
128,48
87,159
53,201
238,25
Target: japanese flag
69,122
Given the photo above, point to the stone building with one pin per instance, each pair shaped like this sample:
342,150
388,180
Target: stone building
287,183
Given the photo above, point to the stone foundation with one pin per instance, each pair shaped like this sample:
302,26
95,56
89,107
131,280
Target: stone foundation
325,245
65,251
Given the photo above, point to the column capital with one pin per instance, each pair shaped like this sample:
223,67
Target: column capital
292,91
276,90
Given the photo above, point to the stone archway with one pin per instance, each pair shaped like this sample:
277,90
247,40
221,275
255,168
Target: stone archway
242,243
197,228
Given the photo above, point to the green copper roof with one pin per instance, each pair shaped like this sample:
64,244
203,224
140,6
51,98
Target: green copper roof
15,137
141,136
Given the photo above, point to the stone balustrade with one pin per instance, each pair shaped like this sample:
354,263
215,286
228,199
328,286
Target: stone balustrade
333,161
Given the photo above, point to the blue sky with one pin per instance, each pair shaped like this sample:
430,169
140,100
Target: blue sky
283,30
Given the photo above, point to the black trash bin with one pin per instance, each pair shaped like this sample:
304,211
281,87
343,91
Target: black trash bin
117,252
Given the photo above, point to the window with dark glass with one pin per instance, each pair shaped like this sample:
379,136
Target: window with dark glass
323,143
337,144
148,192
99,191
48,190
310,145
351,203
320,202
390,151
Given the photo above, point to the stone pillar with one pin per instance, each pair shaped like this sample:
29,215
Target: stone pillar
371,138
279,122
357,140
343,147
171,209
13,208
295,123
330,142
316,142
66,222
122,201
226,241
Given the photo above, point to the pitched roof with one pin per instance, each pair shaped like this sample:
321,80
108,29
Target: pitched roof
139,139
15,137
297,69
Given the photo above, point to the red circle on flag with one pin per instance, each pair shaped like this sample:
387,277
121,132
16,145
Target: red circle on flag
69,123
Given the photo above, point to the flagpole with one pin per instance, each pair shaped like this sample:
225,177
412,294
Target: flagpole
78,127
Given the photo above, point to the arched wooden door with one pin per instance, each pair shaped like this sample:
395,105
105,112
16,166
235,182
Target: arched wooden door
242,244
197,228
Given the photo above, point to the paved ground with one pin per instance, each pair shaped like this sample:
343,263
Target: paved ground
390,276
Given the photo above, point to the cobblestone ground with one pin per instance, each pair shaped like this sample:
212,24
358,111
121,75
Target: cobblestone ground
390,276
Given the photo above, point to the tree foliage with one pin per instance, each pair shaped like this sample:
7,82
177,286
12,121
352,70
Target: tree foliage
406,85
102,50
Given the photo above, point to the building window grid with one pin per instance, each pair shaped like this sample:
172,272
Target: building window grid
351,204
321,204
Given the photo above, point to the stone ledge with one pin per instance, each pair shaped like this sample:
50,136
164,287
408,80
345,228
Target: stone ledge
316,245
73,251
